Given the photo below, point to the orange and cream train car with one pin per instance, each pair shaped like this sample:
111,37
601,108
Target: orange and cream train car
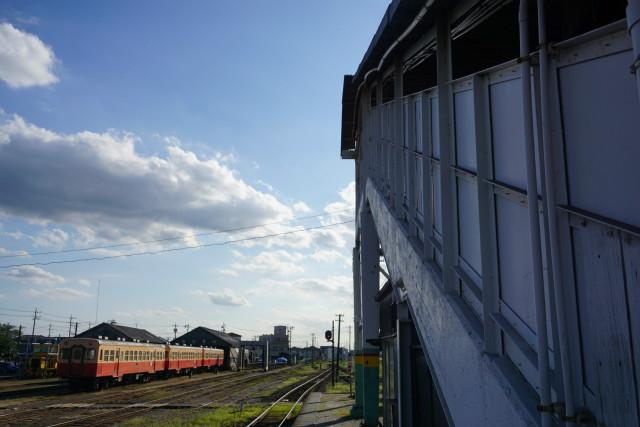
103,362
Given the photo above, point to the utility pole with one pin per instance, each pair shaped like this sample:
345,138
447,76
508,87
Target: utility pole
70,324
76,331
33,329
338,364
175,331
187,327
350,364
290,333
49,334
333,354
313,350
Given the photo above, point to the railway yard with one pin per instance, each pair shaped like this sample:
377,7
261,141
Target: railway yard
252,397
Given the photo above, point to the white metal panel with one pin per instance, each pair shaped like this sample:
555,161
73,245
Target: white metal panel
437,199
405,120
604,328
631,255
419,193
465,130
516,284
601,116
469,224
435,128
507,128
417,112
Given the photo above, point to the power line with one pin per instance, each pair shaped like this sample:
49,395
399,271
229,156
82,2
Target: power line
180,248
166,239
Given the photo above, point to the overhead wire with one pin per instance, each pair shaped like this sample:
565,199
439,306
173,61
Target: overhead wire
23,254
177,249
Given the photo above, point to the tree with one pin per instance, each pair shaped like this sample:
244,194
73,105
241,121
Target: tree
8,338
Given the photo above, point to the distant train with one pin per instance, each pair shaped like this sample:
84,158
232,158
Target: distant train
100,363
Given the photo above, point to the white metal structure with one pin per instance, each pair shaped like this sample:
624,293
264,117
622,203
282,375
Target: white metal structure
444,177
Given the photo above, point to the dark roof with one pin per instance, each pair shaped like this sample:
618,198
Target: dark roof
398,16
217,334
113,330
347,142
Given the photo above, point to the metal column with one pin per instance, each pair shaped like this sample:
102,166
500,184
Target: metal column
367,359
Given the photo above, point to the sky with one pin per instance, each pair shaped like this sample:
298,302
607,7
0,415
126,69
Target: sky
155,126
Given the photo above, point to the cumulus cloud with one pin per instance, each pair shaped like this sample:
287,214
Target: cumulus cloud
301,207
336,285
100,185
224,297
9,253
58,293
31,274
152,313
24,59
273,262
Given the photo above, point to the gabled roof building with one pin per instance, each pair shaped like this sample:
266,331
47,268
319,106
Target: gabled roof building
114,331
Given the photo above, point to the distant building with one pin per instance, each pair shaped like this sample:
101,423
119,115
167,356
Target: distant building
278,342
115,332
206,337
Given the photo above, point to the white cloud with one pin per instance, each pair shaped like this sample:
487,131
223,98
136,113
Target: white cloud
301,207
228,272
24,59
101,186
51,238
337,285
35,275
227,297
7,253
148,313
265,185
58,293
327,256
274,262
84,282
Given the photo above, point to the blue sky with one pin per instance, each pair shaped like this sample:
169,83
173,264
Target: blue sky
129,121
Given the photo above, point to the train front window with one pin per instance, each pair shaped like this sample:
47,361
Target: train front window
77,353
65,354
91,354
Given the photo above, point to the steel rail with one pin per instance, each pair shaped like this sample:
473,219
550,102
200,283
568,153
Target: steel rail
133,405
129,391
266,411
314,385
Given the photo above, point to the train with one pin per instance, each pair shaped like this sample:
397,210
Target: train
43,361
101,363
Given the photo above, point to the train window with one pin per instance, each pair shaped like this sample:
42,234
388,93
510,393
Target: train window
126,355
77,353
66,354
117,354
91,354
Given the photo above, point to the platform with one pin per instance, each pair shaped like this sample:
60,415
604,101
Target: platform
326,409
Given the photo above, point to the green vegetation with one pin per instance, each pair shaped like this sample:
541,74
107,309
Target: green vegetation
340,387
224,416
8,337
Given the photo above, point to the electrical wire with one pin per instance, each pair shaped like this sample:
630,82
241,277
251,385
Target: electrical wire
180,248
167,239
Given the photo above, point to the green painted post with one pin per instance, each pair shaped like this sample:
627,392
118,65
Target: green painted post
368,364
356,410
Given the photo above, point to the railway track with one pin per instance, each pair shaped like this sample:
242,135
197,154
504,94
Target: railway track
124,395
88,412
305,388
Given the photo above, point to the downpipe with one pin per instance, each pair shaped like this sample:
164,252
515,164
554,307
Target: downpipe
633,25
534,217
550,212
